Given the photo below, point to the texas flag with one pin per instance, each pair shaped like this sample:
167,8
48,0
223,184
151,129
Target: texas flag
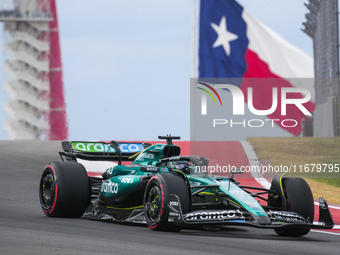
233,44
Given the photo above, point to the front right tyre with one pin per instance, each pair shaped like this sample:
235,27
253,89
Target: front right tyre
299,199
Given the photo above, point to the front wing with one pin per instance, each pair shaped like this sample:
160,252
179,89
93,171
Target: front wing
278,219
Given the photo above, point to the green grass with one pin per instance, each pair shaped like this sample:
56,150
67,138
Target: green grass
329,181
301,151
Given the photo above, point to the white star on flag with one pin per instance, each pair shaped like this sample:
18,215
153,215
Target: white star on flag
224,36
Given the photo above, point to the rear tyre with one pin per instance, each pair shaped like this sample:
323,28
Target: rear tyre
64,190
299,199
156,200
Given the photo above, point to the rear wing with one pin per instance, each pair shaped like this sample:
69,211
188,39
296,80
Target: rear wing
103,151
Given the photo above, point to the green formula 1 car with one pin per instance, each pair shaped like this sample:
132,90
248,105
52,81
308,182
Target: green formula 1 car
164,190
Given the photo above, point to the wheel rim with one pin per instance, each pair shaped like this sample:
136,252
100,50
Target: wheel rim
153,204
47,189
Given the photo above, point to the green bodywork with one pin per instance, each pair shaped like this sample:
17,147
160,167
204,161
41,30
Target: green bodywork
235,195
122,179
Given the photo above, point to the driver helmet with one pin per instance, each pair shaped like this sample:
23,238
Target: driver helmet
179,165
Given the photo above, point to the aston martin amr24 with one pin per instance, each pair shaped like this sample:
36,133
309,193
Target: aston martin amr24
156,185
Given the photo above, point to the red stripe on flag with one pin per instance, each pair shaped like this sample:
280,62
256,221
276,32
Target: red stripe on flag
263,90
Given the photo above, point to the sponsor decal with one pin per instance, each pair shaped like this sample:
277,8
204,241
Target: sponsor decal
147,156
175,210
127,180
159,147
153,169
110,170
212,215
109,187
130,147
322,203
103,147
174,203
288,217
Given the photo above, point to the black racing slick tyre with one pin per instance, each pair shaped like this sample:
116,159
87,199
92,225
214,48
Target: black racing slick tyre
64,190
299,199
156,200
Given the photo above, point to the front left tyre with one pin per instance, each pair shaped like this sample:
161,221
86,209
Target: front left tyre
64,190
157,197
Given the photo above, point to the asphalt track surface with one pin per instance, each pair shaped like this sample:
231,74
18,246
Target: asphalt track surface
24,229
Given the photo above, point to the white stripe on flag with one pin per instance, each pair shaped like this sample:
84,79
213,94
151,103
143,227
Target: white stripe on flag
284,59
